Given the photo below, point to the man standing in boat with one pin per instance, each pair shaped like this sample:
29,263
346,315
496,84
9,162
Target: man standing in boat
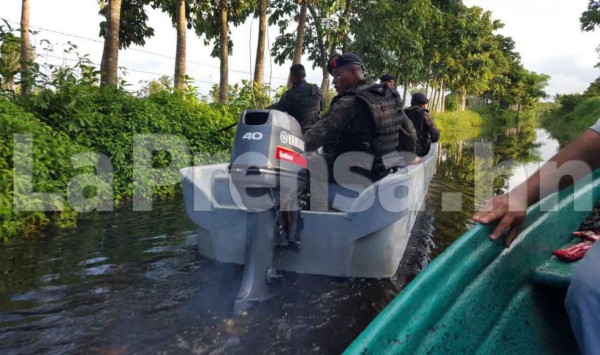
303,101
361,127
427,132
583,295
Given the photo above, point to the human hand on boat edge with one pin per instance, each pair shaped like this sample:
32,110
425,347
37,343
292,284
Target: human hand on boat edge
510,209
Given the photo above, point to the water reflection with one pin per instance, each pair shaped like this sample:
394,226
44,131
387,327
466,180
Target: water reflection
459,169
134,282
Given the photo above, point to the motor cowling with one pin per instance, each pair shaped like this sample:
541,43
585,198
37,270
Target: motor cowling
268,161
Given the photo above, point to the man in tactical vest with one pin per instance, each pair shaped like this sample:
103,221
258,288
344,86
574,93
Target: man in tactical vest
427,132
303,101
360,132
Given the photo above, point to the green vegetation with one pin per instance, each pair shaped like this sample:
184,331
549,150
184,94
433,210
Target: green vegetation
575,114
433,46
52,169
75,116
590,19
441,45
459,125
458,120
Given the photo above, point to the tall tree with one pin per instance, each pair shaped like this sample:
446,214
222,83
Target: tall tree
321,55
211,20
224,55
133,20
590,19
260,47
128,20
329,21
397,48
594,88
180,54
299,44
110,55
26,51
181,15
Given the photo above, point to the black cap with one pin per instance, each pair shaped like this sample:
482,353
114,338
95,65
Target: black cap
419,98
386,77
338,60
297,70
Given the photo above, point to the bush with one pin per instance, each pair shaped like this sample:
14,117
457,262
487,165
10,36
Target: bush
452,102
77,117
458,125
569,102
106,120
52,170
568,121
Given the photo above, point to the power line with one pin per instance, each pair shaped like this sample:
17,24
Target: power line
131,70
137,49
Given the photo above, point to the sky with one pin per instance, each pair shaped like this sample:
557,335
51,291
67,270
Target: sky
546,33
549,39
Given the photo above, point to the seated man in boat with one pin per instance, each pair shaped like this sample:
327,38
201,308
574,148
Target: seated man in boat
583,295
303,101
363,124
424,123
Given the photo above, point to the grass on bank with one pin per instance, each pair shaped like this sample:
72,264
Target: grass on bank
458,125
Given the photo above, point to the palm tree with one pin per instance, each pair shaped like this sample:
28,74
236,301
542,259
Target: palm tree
110,55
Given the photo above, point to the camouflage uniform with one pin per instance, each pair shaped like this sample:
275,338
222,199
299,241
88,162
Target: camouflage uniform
427,132
304,102
366,118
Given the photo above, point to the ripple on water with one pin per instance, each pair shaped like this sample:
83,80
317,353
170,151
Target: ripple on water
158,249
50,277
93,260
98,270
157,237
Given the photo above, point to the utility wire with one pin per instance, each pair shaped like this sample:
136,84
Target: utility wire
131,70
136,49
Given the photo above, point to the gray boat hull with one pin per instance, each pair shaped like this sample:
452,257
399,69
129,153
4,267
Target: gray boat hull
368,240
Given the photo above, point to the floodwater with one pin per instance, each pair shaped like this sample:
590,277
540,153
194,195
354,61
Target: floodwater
132,282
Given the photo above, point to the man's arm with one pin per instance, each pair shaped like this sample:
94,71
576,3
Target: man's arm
328,128
407,136
434,132
510,209
283,103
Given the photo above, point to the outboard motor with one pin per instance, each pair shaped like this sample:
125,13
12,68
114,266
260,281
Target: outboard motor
268,175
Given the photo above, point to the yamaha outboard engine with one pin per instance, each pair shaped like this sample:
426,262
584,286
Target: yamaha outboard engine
268,174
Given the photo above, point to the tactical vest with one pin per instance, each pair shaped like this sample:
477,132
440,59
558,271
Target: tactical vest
417,116
384,105
307,104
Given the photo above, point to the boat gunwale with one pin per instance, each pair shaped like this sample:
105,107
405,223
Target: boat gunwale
473,241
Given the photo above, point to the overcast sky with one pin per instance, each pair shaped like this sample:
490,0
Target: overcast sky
546,33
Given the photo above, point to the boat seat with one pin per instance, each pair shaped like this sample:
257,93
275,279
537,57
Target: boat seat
342,198
554,273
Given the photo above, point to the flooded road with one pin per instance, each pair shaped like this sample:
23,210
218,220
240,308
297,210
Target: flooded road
133,282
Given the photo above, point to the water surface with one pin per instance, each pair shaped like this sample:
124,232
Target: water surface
133,282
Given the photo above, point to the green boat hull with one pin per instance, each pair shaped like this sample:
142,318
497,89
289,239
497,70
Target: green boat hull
480,298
